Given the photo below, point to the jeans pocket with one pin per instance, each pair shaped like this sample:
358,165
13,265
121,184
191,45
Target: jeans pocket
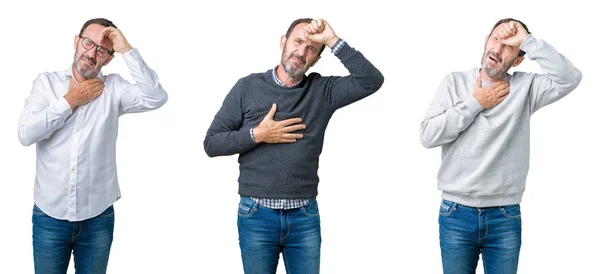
37,211
511,211
311,209
447,208
246,207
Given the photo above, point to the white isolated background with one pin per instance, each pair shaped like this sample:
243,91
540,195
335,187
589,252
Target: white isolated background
378,196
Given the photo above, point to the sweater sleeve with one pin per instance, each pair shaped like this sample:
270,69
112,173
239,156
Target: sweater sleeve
560,77
364,79
447,117
226,134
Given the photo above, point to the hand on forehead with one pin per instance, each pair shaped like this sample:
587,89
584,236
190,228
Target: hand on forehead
94,32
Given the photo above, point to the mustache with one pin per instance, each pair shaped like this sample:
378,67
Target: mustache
91,59
496,55
301,58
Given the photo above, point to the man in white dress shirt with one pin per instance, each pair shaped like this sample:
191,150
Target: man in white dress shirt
72,117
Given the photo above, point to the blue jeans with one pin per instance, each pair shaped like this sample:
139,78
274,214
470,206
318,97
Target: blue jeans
465,231
265,232
89,240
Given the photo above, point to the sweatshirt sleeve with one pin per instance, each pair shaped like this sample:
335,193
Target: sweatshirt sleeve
447,117
364,79
226,134
560,77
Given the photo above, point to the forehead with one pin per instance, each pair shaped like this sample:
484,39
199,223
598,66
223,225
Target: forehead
497,28
298,30
93,32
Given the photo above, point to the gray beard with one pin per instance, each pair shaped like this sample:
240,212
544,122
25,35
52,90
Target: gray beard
86,74
294,74
498,72
495,73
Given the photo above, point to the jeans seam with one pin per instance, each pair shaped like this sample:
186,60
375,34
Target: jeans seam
251,211
309,214
451,210
503,211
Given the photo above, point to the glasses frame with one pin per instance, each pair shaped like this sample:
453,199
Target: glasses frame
96,46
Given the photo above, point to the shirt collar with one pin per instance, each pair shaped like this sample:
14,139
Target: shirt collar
279,83
70,74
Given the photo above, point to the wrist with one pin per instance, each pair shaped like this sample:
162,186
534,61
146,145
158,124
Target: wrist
332,42
255,135
126,49
71,101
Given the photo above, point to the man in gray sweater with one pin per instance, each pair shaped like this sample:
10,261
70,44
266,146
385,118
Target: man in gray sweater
276,121
481,119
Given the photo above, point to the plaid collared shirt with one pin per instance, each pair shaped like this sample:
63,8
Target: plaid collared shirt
276,203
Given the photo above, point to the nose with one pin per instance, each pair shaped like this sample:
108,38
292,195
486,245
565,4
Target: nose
498,47
302,50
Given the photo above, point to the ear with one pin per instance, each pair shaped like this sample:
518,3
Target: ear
75,40
108,60
318,58
282,42
518,61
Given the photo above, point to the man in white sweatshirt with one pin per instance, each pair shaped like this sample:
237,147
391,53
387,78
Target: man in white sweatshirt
481,119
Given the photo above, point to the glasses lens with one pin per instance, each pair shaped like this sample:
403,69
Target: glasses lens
102,51
88,43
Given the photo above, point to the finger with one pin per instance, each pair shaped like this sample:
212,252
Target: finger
94,80
478,82
501,99
311,28
292,136
293,128
101,86
271,112
503,33
103,33
309,36
92,83
290,121
512,25
315,23
285,140
108,32
322,24
503,91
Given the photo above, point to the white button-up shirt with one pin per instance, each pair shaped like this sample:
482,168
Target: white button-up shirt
76,172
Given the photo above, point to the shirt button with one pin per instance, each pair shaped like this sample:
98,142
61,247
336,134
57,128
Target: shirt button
73,169
77,129
72,190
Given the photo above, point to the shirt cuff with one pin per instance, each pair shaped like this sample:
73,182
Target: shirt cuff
473,106
61,107
528,44
337,46
252,134
131,55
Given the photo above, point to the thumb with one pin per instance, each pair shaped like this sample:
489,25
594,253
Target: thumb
307,35
271,113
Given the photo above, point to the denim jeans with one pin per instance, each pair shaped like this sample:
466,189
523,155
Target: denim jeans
89,240
265,232
465,231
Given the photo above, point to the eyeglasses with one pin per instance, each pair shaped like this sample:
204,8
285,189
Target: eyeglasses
101,51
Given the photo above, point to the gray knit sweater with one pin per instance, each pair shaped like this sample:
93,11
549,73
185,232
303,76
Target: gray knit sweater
485,153
286,170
